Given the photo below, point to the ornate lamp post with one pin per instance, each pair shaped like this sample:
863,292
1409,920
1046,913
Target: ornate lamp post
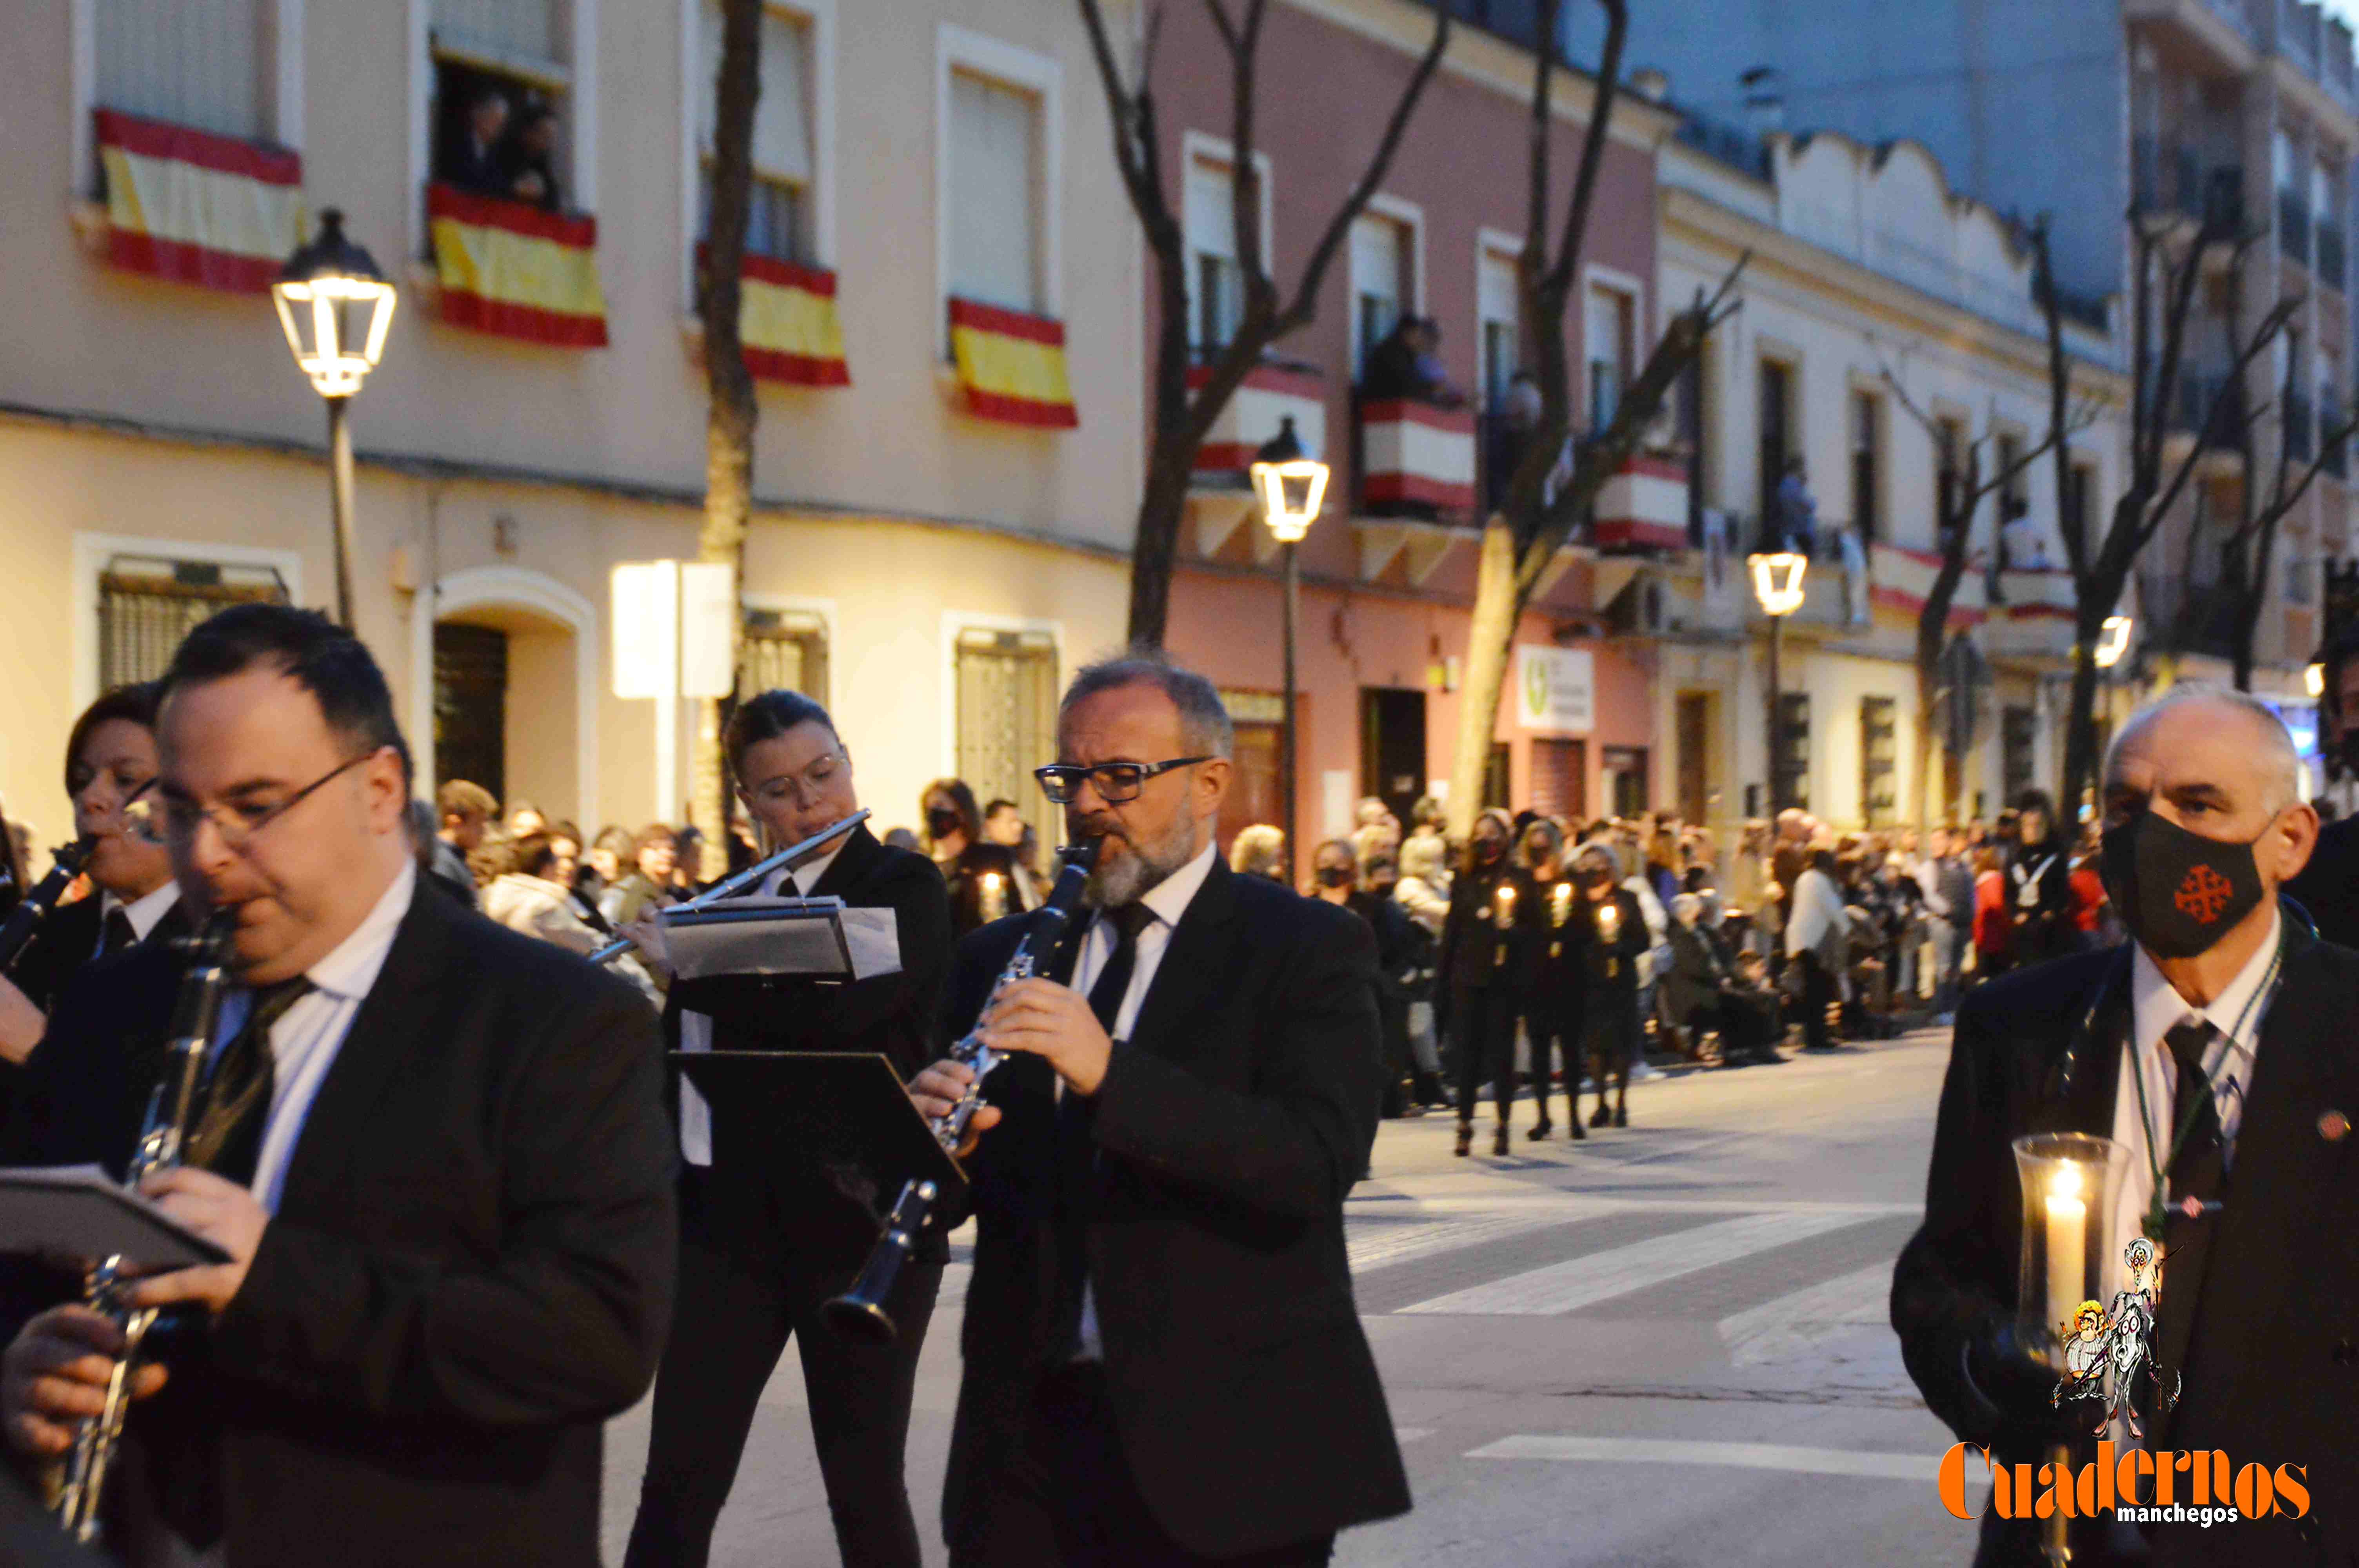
336,308
1290,486
1777,584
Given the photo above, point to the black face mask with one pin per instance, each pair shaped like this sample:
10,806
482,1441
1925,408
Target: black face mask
1336,876
2179,891
941,824
1382,889
1487,851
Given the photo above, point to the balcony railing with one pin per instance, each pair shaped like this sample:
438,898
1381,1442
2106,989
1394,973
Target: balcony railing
2330,255
2293,226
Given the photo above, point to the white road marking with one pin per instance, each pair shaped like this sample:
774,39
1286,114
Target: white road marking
1580,1281
1410,1434
1373,1246
1736,1455
1793,1324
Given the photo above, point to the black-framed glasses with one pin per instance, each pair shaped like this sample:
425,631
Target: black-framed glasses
239,823
1114,781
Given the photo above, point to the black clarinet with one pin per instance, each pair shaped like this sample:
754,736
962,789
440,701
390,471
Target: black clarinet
860,1311
35,906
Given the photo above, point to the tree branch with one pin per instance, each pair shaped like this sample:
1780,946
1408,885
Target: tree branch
1592,142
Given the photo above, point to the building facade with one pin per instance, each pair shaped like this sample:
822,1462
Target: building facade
945,323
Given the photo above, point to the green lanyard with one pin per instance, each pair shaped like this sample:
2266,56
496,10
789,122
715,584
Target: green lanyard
2157,1210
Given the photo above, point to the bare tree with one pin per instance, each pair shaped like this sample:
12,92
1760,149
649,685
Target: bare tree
1956,503
732,413
1181,418
1537,515
2166,272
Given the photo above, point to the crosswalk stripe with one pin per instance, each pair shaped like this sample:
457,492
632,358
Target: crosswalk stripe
1580,1281
1779,1330
1398,1242
1737,1455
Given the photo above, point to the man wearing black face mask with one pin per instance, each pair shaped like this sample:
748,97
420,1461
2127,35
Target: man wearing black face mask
2217,1050
2329,886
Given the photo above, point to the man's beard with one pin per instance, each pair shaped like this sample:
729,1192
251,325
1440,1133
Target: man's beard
1124,880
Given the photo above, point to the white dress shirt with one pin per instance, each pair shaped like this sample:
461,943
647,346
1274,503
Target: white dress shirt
307,1036
143,912
1167,900
2237,1014
696,1028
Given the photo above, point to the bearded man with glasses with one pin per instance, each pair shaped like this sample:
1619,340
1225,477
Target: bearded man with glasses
1164,1365
433,1150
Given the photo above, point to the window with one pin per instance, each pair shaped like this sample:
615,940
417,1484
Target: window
2010,473
1006,708
1623,773
779,219
1879,753
503,100
2079,494
1776,437
1948,474
208,64
994,193
783,651
1258,717
1561,778
1789,783
1383,276
1866,438
470,705
1606,330
2017,727
146,604
1498,309
2293,207
2300,580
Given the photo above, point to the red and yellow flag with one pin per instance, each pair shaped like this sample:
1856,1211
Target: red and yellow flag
786,321
198,208
1012,366
517,271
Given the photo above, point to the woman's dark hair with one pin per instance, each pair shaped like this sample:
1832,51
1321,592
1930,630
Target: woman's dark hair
319,655
133,704
765,718
2036,800
560,828
534,853
961,800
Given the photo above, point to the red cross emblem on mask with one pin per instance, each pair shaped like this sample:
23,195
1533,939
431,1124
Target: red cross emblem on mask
2203,894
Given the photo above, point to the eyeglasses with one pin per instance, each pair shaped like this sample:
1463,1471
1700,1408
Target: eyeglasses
239,823
807,788
1114,781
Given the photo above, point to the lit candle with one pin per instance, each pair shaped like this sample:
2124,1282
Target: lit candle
1561,903
1609,920
1504,911
994,896
2067,1231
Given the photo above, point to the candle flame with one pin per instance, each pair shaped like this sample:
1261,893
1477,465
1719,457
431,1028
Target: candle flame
2066,1185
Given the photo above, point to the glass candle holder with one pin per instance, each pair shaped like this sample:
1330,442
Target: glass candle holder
2071,1183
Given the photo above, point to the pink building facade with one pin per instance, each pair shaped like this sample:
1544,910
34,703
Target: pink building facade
1389,570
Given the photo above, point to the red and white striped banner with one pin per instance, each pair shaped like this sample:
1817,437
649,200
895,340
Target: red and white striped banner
196,207
1645,504
2040,595
1269,395
1416,454
1902,579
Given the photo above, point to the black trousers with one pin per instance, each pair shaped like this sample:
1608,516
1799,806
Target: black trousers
1817,995
1555,1034
1482,1026
746,1288
1070,1501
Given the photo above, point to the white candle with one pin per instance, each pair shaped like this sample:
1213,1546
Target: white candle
1609,920
1506,907
995,899
1559,903
2067,1231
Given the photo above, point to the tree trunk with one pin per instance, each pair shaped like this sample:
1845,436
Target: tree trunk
1490,634
2080,726
732,414
1926,693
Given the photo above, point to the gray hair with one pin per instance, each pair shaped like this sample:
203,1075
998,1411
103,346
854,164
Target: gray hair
1686,904
2281,763
1205,727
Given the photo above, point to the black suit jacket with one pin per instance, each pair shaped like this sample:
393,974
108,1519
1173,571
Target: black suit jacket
2329,886
1229,1128
470,1268
893,1015
2265,1332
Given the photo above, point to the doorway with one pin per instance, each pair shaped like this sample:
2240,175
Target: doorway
1257,717
1392,747
1624,768
470,706
1561,780
1694,727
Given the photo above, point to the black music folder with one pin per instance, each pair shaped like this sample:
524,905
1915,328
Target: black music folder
846,1110
80,1211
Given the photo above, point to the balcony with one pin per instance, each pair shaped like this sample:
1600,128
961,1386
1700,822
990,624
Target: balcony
1274,392
2170,176
2036,614
2328,266
1415,459
2293,227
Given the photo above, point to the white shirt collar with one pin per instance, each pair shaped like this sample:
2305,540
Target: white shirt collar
2156,1009
1168,898
143,912
806,876
351,968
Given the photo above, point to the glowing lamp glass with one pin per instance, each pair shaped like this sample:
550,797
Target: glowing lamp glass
2114,643
1290,495
335,307
2313,680
1778,581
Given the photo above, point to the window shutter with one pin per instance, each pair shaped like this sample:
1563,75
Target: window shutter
782,116
523,29
1377,261
1211,206
189,62
993,194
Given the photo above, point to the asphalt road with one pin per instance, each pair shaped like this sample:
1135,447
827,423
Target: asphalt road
1664,1345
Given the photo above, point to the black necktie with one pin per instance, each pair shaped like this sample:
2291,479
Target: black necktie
2197,1163
2196,1171
120,937
228,1138
1076,1140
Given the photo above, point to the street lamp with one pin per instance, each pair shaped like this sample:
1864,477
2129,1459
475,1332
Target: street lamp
2114,642
1290,486
336,308
1777,584
2313,680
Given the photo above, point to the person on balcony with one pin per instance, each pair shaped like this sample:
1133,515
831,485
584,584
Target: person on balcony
528,159
1798,511
1407,365
472,162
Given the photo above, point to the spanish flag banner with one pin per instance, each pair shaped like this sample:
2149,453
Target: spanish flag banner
1012,366
517,271
786,321
198,208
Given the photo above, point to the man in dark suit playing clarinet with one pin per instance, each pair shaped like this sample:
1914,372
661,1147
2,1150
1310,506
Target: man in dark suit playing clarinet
1164,1364
433,1150
2217,1048
765,1240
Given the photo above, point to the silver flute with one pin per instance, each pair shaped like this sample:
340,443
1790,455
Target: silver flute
743,879
860,1311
